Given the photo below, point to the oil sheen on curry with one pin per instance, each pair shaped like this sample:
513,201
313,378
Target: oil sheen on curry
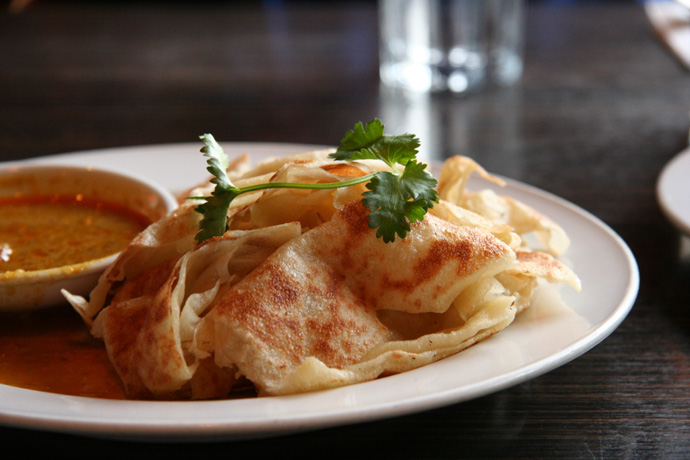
42,232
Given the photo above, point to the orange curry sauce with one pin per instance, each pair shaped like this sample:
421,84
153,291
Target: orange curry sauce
51,349
39,232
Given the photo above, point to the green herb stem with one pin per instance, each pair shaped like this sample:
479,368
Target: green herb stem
309,186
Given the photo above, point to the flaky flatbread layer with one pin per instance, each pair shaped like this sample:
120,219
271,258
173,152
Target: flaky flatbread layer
300,295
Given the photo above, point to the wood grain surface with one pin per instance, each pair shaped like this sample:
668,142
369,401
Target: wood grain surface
601,108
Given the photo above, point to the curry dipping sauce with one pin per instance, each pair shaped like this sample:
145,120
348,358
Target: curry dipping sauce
41,232
51,349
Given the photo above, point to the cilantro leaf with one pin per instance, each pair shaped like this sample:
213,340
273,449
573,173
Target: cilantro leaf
370,143
215,214
217,162
215,207
395,201
359,138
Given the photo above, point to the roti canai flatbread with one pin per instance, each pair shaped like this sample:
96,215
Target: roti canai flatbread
300,295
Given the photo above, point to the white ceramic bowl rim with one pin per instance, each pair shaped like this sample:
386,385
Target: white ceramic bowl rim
15,277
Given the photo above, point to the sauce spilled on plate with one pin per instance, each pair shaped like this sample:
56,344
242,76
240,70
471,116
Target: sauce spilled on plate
41,232
51,350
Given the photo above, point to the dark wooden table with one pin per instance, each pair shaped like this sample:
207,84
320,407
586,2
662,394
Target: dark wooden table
600,110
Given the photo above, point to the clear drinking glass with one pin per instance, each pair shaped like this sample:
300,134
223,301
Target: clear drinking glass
455,45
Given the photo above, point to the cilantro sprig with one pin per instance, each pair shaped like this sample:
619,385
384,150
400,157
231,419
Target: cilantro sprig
395,198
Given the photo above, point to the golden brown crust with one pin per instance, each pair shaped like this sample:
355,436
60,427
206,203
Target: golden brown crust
542,265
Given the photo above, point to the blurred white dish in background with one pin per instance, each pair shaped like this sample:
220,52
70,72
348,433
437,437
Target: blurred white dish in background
685,3
671,22
673,191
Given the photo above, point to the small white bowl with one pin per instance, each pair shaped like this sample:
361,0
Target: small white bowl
25,290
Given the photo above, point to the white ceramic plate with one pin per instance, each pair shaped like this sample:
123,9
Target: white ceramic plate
673,191
559,327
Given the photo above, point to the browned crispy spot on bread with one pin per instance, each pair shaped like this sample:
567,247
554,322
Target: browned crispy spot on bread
343,170
543,265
